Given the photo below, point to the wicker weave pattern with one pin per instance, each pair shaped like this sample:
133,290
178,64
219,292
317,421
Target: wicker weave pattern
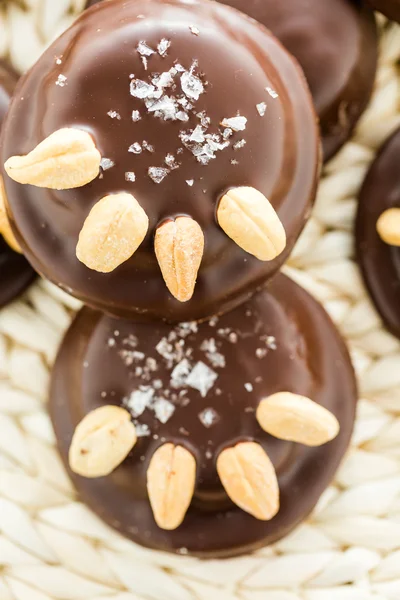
53,547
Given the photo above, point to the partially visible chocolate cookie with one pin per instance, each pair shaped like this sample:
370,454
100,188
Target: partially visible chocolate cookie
336,43
380,260
15,272
200,388
390,8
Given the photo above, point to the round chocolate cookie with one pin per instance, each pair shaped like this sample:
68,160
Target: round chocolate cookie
199,386
336,43
15,272
390,8
380,261
177,131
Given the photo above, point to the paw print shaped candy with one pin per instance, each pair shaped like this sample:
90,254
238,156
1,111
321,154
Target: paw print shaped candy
215,437
151,180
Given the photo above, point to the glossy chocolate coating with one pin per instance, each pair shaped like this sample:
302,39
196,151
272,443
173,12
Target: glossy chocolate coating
98,54
281,340
380,262
390,8
15,272
336,43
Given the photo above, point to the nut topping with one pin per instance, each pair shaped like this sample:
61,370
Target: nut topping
249,479
112,232
296,418
102,440
250,220
179,247
5,229
388,226
171,480
66,159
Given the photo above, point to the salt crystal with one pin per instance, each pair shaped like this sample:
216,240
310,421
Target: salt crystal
130,176
61,80
136,116
165,349
239,144
261,108
232,337
145,62
141,89
209,417
135,148
186,328
236,123
216,359
190,182
197,135
163,409
106,163
144,49
157,174
272,92
194,30
113,114
204,119
191,85
165,108
142,430
147,146
170,161
182,116
58,60
261,352
179,67
180,373
271,342
234,161
163,46
130,341
248,387
139,400
227,133
201,378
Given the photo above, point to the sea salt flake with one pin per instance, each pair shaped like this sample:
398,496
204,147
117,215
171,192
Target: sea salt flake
190,182
179,67
113,114
144,49
141,89
135,148
171,162
111,342
237,123
197,135
191,85
157,174
58,60
142,430
180,373
182,116
130,176
270,341
227,133
106,163
194,29
163,410
201,378
163,46
209,345
272,92
136,116
261,352
139,400
186,328
209,417
61,80
216,359
234,161
165,349
144,62
147,146
248,387
261,108
239,144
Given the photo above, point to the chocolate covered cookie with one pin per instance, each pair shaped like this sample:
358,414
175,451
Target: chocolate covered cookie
390,8
336,43
15,272
211,439
378,233
133,156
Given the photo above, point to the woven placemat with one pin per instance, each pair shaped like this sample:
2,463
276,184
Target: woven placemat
53,547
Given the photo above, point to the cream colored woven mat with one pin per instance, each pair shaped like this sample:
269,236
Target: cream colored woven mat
52,547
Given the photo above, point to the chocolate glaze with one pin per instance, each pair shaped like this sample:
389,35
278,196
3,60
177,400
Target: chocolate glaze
15,273
380,262
98,54
280,340
342,36
336,43
390,8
